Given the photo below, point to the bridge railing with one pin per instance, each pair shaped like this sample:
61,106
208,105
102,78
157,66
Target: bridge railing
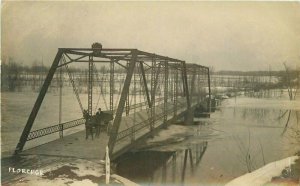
70,124
55,128
141,104
131,130
121,135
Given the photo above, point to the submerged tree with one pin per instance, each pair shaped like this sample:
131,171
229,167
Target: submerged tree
291,80
10,72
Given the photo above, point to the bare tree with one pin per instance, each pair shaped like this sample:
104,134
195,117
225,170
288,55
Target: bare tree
10,74
292,81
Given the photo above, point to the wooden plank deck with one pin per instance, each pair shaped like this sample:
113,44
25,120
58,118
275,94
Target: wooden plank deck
73,145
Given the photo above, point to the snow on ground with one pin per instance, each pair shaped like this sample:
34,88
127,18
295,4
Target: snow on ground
178,137
58,182
172,131
177,133
264,174
75,173
124,180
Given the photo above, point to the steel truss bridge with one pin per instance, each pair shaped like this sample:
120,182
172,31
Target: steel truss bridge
170,90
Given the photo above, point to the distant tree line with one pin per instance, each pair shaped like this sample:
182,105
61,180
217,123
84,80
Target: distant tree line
254,73
12,71
288,78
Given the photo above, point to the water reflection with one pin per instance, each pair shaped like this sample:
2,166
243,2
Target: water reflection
253,116
161,168
291,129
287,121
260,115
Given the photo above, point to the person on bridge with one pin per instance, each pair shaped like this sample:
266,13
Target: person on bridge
98,122
99,112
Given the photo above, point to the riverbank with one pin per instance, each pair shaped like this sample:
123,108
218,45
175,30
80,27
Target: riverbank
282,172
72,160
64,171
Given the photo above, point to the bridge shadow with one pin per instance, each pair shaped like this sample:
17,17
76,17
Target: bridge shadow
159,167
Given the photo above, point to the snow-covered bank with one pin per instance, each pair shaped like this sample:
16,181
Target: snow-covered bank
75,173
264,174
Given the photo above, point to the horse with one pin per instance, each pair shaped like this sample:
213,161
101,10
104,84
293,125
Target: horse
89,124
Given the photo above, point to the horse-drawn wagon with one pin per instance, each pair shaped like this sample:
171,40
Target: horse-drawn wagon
97,123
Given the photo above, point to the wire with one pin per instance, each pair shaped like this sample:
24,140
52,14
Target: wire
73,85
101,90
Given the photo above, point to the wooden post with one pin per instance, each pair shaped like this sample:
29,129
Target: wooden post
107,166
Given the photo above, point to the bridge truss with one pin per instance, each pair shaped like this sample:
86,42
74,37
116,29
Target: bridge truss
170,88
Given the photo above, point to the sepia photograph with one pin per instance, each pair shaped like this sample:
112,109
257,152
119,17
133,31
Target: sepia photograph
142,93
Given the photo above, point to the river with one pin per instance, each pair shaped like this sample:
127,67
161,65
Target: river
242,135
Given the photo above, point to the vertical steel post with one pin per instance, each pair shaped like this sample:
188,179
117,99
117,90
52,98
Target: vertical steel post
61,132
127,99
155,85
198,85
152,109
112,86
209,91
38,103
175,93
152,80
189,113
134,103
90,86
166,83
140,85
171,84
185,85
183,81
124,93
193,84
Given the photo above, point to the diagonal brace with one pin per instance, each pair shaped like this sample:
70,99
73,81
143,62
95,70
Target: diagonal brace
120,109
38,103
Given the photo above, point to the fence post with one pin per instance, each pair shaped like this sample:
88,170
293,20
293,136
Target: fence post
107,166
61,130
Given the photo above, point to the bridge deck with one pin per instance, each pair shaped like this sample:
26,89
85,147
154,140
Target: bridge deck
73,145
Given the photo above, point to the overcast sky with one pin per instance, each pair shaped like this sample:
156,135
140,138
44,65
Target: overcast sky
226,35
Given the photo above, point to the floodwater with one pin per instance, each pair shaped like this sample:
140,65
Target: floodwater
242,135
16,108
